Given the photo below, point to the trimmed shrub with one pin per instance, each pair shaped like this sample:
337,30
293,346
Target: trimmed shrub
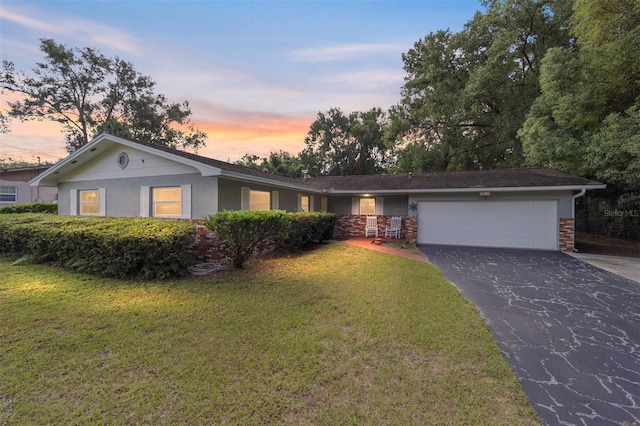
30,208
308,227
238,233
112,247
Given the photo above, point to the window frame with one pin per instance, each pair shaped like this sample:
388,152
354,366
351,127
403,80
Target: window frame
94,203
253,203
155,202
368,210
302,204
15,194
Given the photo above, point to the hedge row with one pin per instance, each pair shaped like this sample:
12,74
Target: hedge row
239,233
112,247
305,228
30,208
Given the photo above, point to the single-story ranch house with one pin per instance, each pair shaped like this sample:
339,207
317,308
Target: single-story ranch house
517,208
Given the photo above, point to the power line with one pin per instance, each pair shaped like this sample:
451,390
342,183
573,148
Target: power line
28,150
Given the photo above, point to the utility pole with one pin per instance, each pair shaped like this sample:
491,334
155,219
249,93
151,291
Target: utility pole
38,187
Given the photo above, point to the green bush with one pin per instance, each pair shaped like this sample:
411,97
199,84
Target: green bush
306,228
238,233
30,208
114,247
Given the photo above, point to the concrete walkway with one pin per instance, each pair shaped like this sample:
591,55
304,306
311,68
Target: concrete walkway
627,267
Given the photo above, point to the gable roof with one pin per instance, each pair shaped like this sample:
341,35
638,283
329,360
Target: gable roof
204,165
528,179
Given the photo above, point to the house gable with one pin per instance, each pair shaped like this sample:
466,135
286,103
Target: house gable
125,162
92,155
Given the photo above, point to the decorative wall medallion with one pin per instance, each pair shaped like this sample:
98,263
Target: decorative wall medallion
123,160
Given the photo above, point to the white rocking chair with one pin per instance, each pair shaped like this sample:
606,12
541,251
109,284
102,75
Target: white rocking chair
394,228
372,226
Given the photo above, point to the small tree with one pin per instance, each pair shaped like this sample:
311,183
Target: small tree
239,232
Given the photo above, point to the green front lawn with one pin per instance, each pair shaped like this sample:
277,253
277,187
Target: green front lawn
340,335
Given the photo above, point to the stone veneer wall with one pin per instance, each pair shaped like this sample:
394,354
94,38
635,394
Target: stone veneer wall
566,234
354,226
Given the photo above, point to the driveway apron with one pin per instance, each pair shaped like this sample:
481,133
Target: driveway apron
571,331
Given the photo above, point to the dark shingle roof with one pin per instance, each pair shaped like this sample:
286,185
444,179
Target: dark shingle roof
227,166
496,178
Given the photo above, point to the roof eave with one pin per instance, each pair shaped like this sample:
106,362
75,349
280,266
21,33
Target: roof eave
466,190
271,182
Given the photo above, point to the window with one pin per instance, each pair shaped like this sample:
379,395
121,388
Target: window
250,199
304,203
167,202
89,202
368,206
8,194
324,205
259,200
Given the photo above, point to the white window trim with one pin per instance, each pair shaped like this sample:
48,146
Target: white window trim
146,203
355,205
379,206
300,209
245,198
74,202
15,194
186,201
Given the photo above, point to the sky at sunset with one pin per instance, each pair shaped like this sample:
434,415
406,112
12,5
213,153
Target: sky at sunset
255,73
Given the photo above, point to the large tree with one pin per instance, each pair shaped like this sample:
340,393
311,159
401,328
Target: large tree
466,94
6,78
89,93
587,120
338,144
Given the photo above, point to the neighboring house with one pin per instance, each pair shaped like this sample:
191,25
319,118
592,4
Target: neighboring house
519,208
15,188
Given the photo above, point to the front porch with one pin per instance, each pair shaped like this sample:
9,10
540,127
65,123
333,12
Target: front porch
353,226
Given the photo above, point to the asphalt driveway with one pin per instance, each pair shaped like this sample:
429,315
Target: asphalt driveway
570,330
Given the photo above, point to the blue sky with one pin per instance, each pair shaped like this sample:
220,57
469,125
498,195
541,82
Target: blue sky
255,73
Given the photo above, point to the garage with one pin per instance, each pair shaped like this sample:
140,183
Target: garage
486,223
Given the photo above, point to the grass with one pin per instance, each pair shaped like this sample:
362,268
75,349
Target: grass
340,335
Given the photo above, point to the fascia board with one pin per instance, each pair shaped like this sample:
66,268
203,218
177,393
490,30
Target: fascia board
467,190
43,178
270,182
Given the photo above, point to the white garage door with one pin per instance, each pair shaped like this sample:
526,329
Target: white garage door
517,224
